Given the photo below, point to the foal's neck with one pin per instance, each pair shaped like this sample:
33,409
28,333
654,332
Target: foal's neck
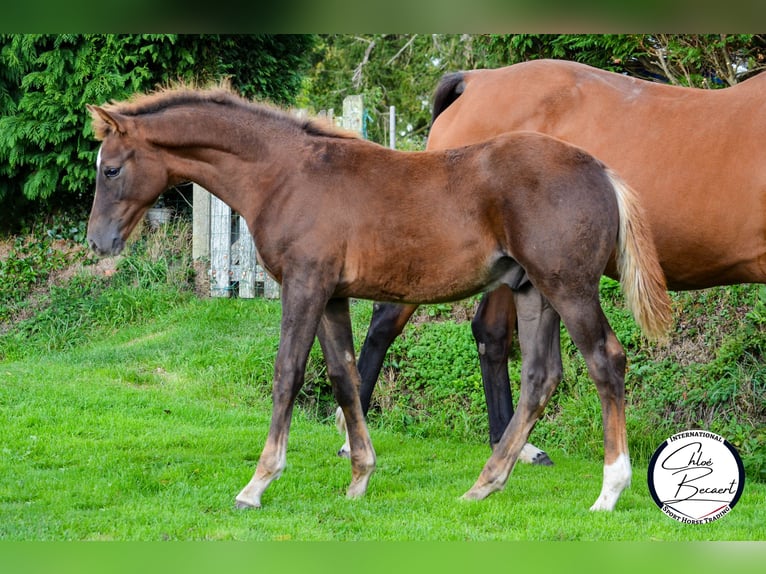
237,155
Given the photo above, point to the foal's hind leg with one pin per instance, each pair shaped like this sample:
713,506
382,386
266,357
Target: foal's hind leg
605,359
338,347
493,327
541,372
388,321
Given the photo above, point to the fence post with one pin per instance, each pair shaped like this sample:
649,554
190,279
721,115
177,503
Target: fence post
200,222
270,287
392,127
353,114
220,248
251,272
247,262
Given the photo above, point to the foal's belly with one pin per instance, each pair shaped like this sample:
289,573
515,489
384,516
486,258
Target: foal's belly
431,280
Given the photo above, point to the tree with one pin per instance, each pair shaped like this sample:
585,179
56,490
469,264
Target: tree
705,60
398,70
47,150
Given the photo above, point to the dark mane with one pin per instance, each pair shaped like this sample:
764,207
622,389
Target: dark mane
142,104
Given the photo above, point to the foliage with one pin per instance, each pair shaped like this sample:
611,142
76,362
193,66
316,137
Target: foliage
27,266
390,70
699,60
153,276
606,51
46,146
705,60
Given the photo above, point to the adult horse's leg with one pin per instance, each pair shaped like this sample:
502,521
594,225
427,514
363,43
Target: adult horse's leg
541,371
388,321
605,358
493,327
336,340
300,318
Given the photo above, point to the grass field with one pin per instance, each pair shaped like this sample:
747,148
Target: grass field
148,432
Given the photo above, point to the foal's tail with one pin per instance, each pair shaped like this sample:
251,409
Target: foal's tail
641,277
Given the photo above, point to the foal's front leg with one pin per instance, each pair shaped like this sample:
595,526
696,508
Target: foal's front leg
338,347
301,311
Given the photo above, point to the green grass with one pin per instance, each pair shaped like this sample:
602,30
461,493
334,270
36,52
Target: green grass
149,431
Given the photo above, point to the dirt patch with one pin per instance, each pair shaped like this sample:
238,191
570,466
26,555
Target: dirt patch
460,311
5,248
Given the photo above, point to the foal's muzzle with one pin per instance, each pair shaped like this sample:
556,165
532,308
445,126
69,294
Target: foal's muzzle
104,248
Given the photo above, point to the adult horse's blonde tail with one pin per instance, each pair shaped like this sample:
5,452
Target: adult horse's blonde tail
641,277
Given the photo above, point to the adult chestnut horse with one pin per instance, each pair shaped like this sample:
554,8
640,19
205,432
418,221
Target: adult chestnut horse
695,157
335,217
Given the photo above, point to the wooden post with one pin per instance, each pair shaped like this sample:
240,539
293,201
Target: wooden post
220,248
270,287
392,127
200,223
353,114
327,115
247,262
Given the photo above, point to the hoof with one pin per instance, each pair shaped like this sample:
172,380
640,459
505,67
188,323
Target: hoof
542,459
473,495
242,505
480,492
530,454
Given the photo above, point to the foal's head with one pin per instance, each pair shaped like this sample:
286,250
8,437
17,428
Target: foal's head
129,179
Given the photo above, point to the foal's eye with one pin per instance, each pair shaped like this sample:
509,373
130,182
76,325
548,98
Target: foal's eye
112,172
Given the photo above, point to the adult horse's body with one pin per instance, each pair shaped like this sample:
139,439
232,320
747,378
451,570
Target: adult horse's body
335,217
695,157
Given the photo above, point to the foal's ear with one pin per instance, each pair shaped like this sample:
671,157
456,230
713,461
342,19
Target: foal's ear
105,122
